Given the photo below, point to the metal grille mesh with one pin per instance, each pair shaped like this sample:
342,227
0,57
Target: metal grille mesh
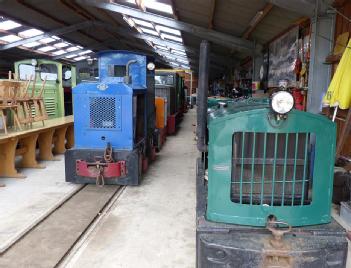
271,168
102,112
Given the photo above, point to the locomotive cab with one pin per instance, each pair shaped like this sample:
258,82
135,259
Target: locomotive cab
114,122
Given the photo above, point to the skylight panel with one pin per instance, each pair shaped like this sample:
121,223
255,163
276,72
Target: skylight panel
167,30
143,23
148,31
180,53
32,44
80,58
155,5
130,22
60,45
71,56
47,48
58,52
162,48
85,52
185,66
171,37
9,25
30,33
71,49
10,38
47,40
183,61
55,37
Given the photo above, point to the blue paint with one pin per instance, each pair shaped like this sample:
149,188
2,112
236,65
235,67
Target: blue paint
104,111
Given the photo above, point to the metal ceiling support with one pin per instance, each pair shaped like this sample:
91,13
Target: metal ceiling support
260,15
162,42
212,13
211,35
303,7
323,26
60,31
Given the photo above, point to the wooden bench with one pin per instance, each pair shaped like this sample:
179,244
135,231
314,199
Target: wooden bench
53,138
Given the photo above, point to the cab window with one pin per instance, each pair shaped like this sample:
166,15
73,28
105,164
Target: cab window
26,71
49,71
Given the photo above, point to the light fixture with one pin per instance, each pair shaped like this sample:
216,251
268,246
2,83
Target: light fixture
10,38
9,25
151,66
282,102
30,33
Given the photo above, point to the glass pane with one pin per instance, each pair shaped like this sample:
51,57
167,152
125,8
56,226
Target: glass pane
49,71
26,71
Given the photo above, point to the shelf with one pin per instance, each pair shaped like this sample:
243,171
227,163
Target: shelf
332,59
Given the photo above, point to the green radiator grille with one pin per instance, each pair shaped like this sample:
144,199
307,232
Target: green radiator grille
271,168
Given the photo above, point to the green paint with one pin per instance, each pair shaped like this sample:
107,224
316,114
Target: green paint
253,116
54,89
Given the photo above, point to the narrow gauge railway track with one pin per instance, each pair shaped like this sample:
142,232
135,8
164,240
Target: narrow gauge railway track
51,241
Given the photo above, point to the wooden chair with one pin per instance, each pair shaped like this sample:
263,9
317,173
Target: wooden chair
37,102
24,104
8,92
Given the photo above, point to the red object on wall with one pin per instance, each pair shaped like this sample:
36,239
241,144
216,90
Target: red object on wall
298,99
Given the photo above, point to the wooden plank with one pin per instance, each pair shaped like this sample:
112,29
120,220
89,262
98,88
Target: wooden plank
38,127
264,12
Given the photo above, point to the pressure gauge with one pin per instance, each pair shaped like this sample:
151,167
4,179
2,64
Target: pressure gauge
282,102
151,66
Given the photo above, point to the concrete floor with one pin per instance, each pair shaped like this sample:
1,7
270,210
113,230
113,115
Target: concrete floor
152,225
25,202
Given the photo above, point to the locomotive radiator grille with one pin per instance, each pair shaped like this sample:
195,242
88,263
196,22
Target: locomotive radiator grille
271,168
102,112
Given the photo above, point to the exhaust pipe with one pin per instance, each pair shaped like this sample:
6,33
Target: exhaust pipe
202,95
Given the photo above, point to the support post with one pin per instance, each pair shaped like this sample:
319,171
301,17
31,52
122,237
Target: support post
202,95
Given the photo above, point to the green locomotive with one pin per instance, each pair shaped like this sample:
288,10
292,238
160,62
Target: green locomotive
267,199
60,79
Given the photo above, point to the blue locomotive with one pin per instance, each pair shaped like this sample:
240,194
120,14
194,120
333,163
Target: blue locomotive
114,122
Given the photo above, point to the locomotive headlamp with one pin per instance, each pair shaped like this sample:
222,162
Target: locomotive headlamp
34,62
151,66
282,102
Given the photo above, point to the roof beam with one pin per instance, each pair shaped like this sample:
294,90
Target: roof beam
208,34
212,13
162,42
260,15
303,7
60,31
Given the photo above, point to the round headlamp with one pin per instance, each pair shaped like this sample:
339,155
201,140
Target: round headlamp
151,66
282,102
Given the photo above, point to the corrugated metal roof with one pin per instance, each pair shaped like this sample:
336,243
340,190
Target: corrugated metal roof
230,16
